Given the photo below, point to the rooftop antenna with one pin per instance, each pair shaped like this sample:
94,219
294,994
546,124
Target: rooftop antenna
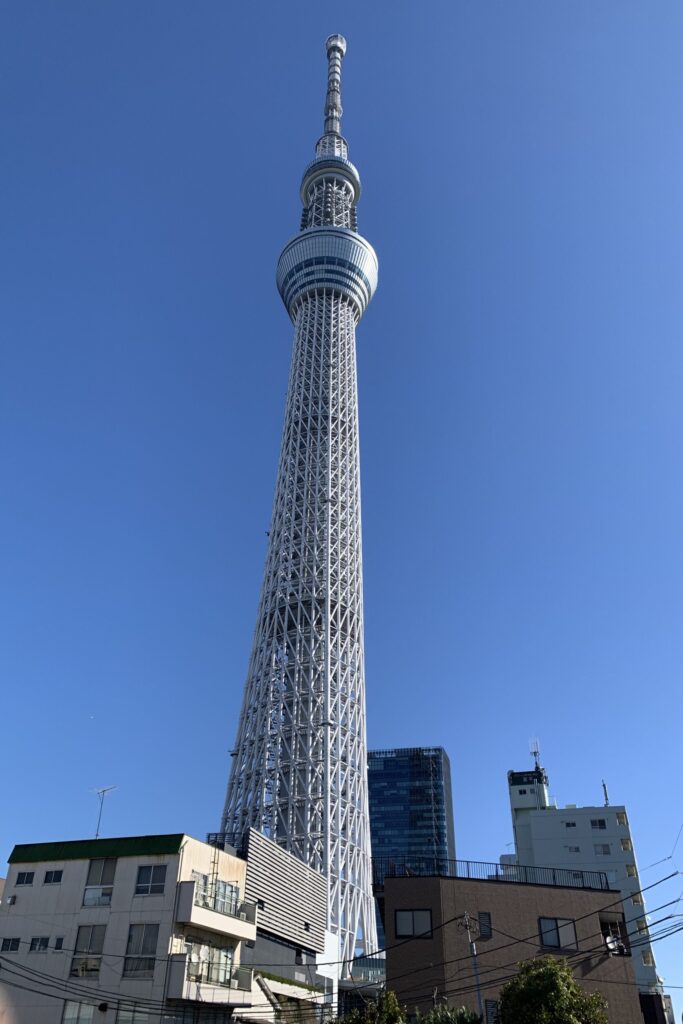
101,793
535,751
604,789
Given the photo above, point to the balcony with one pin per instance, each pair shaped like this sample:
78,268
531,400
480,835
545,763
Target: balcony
209,983
202,908
520,874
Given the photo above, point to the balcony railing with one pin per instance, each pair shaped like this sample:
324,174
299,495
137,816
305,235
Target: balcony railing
221,975
521,874
223,905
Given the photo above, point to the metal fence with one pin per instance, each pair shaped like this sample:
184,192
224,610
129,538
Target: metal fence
522,874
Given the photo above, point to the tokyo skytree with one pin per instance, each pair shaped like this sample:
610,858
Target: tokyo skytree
299,771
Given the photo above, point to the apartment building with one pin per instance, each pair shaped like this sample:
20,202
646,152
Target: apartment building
511,913
595,838
159,929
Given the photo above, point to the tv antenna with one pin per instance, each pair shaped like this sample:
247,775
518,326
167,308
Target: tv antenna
535,751
101,793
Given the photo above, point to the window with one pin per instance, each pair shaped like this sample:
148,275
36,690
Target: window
78,1013
648,958
52,878
626,845
98,887
102,871
151,880
599,823
616,941
135,1017
39,944
491,1011
637,899
557,932
621,818
59,942
570,824
574,849
307,926
631,870
522,792
641,925
25,878
141,950
89,943
602,849
10,945
417,923
485,930
260,905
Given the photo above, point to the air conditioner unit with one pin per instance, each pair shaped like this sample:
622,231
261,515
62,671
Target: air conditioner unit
11,900
243,915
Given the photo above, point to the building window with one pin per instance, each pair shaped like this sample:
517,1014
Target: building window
151,880
25,878
557,932
627,845
135,1017
491,1011
599,823
52,878
59,942
307,926
78,1013
98,887
39,944
10,945
260,905
522,792
89,943
141,950
574,849
641,925
602,849
621,818
637,899
648,958
630,870
485,930
570,824
413,923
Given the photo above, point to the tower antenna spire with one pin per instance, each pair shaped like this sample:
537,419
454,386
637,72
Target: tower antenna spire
336,48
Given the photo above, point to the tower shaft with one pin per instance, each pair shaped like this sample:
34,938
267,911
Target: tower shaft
299,771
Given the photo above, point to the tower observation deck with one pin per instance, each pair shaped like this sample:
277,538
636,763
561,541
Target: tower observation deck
299,771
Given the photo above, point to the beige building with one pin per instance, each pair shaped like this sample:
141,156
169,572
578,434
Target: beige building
429,960
163,929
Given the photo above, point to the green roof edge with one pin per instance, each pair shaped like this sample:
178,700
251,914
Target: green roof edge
85,849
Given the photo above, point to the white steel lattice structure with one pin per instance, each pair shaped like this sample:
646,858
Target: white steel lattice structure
299,764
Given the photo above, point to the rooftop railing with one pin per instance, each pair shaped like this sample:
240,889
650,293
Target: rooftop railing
520,874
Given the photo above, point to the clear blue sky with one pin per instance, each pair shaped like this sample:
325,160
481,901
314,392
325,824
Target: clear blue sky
521,370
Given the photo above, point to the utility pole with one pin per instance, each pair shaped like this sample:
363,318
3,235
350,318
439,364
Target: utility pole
467,922
101,793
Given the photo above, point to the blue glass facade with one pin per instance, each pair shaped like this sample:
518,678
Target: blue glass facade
411,804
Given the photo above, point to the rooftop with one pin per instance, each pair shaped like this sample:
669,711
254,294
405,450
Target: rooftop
87,849
518,874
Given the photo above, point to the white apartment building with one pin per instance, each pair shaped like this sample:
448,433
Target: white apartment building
156,930
588,839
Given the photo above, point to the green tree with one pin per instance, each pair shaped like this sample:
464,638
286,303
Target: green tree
449,1015
545,992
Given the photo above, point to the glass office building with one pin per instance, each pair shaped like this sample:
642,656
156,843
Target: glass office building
411,809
